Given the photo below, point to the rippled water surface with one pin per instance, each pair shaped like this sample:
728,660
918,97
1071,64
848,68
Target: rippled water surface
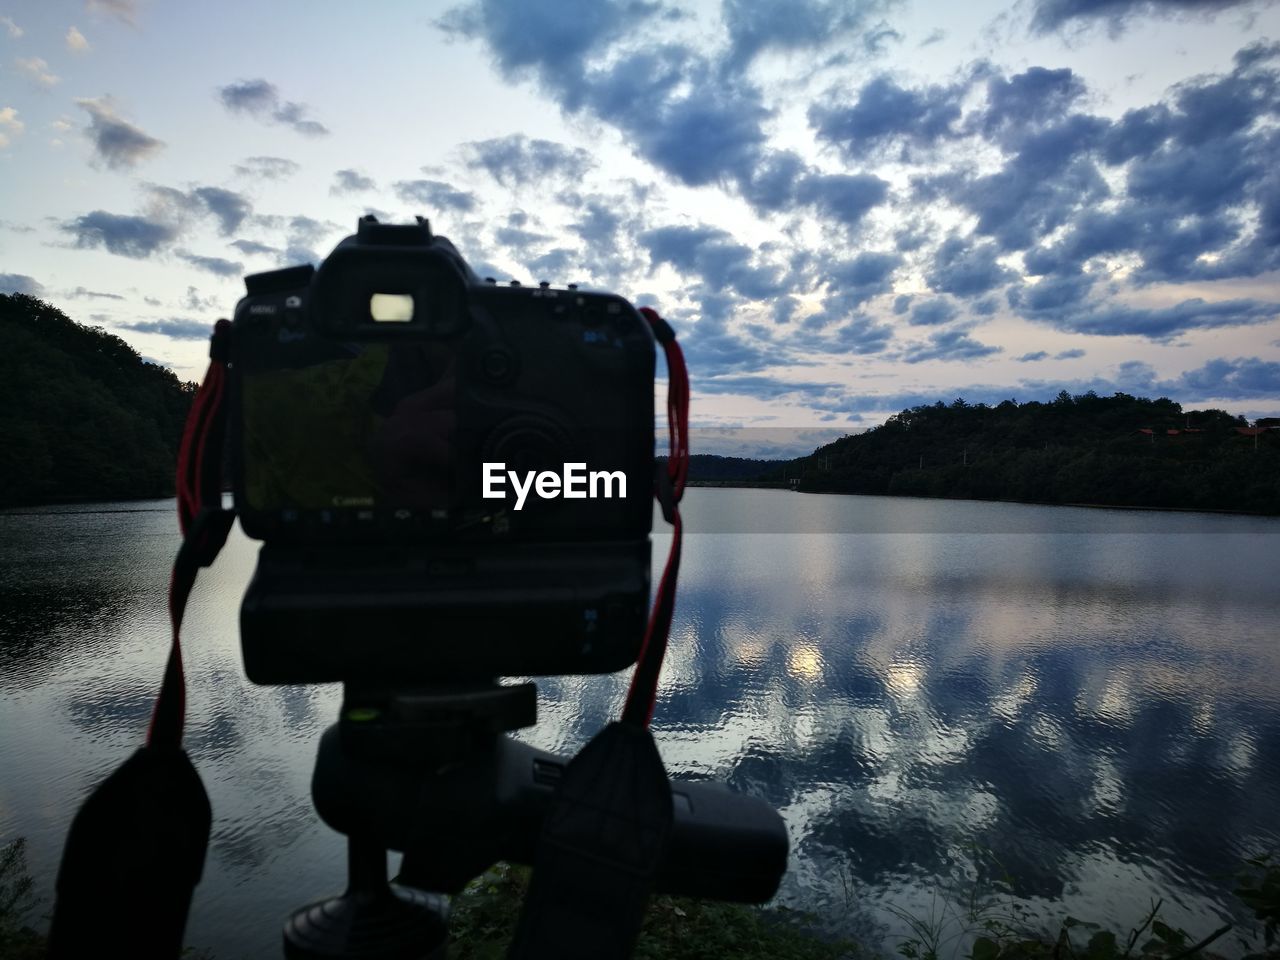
1090,698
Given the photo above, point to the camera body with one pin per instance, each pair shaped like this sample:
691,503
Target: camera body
451,478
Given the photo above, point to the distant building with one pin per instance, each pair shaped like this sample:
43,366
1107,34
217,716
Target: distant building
1268,423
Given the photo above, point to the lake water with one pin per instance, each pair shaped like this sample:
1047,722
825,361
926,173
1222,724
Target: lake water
924,689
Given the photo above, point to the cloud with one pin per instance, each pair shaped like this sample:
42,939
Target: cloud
846,198
854,281
11,28
126,236
76,42
715,257
117,142
123,10
9,122
1029,99
37,71
229,207
215,265
758,26
948,345
93,294
1034,357
261,99
193,300
887,113
1159,323
1073,354
20,283
1050,15
930,313
1244,378
965,269
252,247
516,160
174,328
350,181
435,194
267,168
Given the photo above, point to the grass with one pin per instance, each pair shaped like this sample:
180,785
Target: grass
986,923
485,914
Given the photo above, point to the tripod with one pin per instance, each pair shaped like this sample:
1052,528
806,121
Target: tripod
432,773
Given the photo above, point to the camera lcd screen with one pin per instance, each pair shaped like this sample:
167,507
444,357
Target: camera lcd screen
330,424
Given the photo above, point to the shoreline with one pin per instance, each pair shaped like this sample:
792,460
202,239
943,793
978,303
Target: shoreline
781,485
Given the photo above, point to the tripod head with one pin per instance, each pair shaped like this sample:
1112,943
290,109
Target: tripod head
434,775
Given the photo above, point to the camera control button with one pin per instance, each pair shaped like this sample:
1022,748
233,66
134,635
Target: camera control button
496,365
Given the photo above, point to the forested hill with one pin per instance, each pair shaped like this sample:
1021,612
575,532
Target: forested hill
82,415
1119,450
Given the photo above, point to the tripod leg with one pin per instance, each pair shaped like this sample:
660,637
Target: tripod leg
372,920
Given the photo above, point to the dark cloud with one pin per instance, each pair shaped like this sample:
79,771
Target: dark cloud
1053,297
174,328
267,168
93,294
350,181
715,257
852,282
1074,354
930,313
901,303
20,283
1028,99
1034,357
126,236
1050,15
215,265
886,113
435,195
229,207
948,345
843,197
261,99
118,143
1158,323
193,301
253,247
1245,378
966,269
297,253
757,26
518,161
691,116
515,237
554,263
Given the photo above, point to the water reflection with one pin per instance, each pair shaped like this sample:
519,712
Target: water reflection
1097,710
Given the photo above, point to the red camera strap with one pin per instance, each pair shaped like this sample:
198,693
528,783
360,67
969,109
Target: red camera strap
669,483
203,522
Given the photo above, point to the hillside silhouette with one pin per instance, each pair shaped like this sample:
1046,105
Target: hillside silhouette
1119,450
82,415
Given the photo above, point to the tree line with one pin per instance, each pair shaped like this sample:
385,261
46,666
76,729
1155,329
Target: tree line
82,415
1120,450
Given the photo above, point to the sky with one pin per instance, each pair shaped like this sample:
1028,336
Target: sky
843,208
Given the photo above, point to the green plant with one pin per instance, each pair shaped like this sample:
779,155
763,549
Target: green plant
17,899
484,916
998,927
1259,889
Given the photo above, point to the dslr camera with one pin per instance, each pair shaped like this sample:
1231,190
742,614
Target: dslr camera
451,478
